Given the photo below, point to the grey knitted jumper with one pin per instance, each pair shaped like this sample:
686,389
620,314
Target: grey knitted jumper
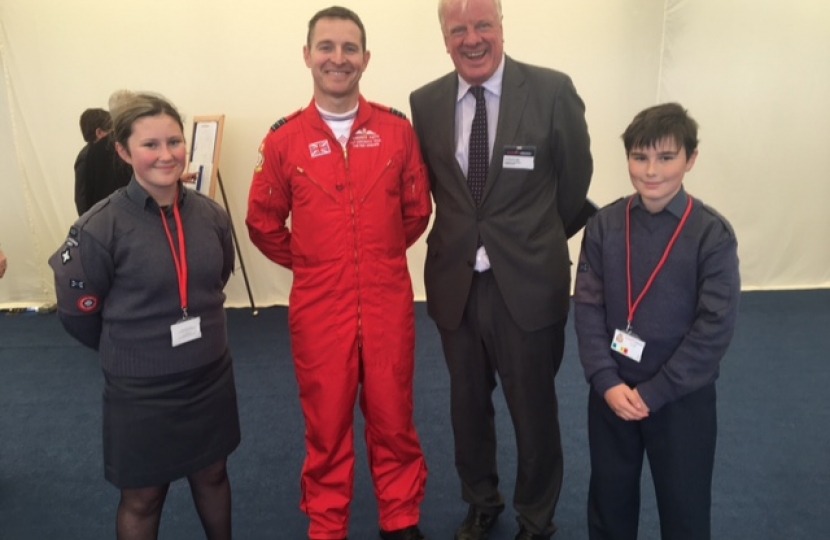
686,319
118,290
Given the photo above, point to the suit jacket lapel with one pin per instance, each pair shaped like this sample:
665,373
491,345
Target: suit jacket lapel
444,111
511,107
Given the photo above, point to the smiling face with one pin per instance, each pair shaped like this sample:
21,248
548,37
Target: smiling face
473,36
657,172
157,152
337,60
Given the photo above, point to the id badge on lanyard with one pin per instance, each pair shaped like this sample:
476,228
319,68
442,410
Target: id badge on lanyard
626,341
188,328
627,344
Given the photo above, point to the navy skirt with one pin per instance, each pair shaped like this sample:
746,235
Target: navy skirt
160,429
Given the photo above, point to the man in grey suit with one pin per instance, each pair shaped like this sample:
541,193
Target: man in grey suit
510,168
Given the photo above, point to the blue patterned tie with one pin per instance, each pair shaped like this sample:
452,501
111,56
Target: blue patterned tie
479,151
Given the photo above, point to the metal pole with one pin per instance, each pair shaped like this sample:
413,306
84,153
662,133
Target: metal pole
236,243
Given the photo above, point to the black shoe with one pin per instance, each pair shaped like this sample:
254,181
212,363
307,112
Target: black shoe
476,525
408,533
524,534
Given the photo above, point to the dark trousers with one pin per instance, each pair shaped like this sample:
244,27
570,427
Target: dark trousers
679,440
487,343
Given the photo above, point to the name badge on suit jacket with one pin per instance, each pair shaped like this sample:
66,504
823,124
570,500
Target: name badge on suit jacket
518,157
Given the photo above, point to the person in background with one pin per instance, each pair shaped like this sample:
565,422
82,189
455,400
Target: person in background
509,160
656,301
140,279
98,170
350,175
95,125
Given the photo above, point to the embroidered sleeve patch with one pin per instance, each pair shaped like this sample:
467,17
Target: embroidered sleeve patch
88,304
260,158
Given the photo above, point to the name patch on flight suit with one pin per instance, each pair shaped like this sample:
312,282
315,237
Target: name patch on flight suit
365,138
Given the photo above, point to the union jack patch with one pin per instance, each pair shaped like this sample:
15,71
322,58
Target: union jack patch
319,148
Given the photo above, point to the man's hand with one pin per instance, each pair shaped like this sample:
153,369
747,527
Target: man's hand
626,402
3,263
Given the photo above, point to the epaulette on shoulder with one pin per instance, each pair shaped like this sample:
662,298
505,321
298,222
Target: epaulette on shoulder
88,220
285,119
392,110
612,203
95,209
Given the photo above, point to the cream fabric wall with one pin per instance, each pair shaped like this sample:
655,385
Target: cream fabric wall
753,73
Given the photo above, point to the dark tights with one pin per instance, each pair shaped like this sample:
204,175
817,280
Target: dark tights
139,511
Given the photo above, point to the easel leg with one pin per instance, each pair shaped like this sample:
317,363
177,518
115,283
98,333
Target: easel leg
236,243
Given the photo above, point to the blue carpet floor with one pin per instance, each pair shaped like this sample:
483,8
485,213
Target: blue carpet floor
772,475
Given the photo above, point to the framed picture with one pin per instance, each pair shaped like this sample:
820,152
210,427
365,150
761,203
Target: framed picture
205,148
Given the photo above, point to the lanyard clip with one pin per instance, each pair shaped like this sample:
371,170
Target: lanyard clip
628,327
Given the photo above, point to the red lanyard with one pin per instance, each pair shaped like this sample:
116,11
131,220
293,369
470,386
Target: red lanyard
179,260
633,307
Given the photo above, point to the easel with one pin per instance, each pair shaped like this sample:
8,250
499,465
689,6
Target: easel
205,147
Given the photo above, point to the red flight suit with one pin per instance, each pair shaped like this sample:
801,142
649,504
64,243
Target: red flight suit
354,212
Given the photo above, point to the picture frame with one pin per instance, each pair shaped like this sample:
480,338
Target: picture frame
205,150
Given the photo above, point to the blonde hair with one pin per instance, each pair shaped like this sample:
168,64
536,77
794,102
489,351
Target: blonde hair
117,97
126,107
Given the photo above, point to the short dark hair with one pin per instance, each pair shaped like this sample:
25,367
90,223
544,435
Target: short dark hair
652,125
132,107
92,120
336,12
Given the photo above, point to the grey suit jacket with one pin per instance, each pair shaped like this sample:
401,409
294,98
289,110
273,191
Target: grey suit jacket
523,213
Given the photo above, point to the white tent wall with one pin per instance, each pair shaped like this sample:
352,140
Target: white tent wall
24,225
754,74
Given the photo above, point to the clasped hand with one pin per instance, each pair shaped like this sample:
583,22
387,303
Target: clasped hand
626,402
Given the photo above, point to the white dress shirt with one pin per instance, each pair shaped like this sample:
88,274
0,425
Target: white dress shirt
465,109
